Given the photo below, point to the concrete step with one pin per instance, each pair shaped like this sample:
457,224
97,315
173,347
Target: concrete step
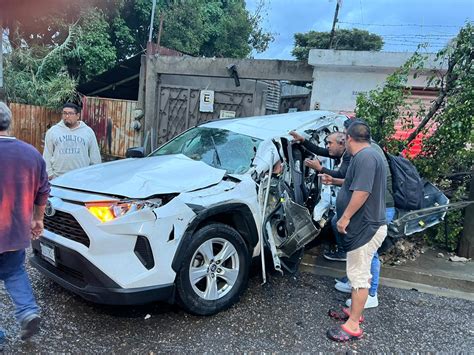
428,270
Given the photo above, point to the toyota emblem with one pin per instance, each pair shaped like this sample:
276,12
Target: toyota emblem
49,210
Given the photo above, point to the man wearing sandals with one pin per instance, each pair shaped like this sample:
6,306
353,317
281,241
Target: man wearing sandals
362,224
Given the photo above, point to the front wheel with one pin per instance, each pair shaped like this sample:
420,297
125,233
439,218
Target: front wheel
214,271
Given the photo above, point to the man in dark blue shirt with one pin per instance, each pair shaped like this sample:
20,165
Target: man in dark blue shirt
24,190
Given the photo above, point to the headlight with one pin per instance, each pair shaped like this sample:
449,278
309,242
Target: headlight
108,211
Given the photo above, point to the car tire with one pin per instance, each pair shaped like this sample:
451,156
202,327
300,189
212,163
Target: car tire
214,271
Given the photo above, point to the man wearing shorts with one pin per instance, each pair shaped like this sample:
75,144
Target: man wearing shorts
362,224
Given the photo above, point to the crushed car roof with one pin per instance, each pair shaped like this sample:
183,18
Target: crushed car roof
270,126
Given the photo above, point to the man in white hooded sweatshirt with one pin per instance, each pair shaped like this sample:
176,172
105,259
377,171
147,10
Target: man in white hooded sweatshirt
70,144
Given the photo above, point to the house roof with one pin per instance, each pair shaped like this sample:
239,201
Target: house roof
122,81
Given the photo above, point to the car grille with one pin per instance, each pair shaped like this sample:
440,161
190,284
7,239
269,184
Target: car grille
66,226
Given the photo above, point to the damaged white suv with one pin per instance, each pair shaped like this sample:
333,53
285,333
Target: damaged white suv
183,223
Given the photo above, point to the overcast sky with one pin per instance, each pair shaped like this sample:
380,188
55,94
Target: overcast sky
402,23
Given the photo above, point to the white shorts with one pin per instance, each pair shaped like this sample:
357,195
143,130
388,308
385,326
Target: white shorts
359,260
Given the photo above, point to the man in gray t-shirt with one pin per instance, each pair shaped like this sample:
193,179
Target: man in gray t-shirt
360,206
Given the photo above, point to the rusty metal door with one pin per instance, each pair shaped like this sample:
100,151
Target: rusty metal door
178,108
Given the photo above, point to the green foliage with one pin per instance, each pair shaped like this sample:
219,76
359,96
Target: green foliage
26,79
447,234
93,52
355,39
449,149
383,106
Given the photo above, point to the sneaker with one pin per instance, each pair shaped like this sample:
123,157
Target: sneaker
345,287
335,256
372,302
341,279
3,340
30,326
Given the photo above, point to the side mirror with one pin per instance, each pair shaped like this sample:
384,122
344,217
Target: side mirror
135,152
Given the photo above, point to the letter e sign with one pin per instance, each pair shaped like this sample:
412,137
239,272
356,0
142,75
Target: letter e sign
206,101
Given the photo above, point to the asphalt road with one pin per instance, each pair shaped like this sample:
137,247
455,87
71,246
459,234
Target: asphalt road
288,314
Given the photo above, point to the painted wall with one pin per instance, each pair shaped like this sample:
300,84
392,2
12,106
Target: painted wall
339,76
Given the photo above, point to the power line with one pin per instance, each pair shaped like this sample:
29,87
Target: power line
397,25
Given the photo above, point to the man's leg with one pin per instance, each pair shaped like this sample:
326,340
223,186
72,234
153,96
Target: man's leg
19,288
359,297
339,254
375,266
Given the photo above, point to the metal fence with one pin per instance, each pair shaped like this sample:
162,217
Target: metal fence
111,120
30,123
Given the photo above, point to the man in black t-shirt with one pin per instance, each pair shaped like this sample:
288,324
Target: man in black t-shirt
361,209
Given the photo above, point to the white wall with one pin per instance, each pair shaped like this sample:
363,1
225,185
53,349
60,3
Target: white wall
339,76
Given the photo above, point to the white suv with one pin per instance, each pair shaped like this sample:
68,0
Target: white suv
183,223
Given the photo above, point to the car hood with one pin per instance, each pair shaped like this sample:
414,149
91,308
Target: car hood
142,178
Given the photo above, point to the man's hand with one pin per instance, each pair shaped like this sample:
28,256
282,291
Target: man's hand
313,164
36,228
296,136
342,224
326,179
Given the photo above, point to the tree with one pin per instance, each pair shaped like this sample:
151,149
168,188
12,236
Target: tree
93,52
355,39
221,28
448,150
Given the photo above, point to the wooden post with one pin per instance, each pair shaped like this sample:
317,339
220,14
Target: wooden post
466,245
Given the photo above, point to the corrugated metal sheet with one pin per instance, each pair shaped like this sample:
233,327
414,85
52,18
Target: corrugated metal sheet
30,123
273,95
112,122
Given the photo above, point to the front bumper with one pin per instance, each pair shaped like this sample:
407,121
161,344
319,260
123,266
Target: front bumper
75,273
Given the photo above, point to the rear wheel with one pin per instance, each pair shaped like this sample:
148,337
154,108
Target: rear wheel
214,270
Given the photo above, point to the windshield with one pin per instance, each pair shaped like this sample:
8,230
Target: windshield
219,148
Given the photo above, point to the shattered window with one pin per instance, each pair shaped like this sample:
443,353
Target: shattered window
219,148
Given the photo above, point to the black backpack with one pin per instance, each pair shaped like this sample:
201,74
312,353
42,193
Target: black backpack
406,183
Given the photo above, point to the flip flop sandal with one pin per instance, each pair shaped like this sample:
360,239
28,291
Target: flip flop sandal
342,315
342,334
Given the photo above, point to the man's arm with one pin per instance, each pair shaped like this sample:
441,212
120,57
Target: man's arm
40,202
94,151
37,225
330,180
313,148
357,201
48,154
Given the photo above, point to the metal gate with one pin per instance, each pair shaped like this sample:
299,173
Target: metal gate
178,108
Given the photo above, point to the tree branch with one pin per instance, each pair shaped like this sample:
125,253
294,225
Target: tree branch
436,105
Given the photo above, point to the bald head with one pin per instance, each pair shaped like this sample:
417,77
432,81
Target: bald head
5,117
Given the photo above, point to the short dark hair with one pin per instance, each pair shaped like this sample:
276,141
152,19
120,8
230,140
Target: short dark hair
73,106
5,117
359,131
347,123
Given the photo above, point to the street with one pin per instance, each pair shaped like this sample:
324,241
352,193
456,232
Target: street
288,314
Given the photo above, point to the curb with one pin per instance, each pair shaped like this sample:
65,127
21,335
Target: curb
396,277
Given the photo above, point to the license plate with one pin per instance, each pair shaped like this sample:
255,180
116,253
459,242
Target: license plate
47,252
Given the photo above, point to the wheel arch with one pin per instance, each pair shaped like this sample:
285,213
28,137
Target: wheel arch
236,215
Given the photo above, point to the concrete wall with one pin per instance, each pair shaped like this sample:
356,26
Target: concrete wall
339,76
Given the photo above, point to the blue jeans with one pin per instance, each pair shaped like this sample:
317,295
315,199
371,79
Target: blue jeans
375,266
17,283
336,233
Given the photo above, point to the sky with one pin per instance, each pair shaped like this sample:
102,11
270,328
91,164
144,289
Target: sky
403,24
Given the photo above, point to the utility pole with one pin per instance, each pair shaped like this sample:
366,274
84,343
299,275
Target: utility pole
331,40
